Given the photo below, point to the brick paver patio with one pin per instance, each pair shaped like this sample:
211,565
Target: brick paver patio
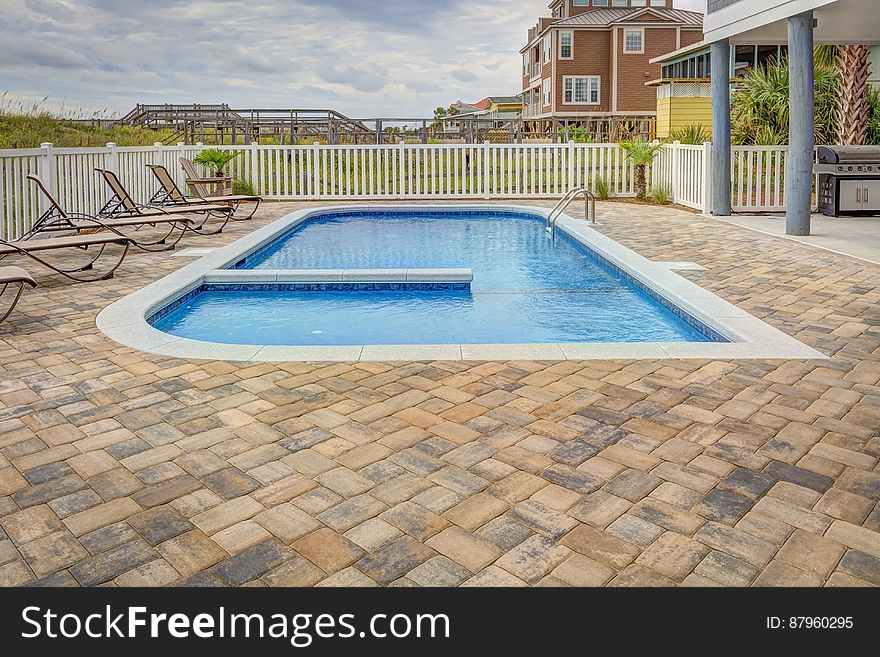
118,467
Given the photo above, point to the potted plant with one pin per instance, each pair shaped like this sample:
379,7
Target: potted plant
216,159
641,153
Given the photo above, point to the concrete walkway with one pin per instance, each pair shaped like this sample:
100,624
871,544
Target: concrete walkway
854,236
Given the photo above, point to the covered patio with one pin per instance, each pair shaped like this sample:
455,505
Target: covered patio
858,237
801,24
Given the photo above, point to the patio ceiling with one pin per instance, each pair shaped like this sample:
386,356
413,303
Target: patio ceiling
841,21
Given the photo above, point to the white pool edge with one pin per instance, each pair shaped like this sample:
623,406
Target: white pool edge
125,321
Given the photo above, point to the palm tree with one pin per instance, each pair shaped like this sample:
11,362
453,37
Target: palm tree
759,113
853,108
641,153
760,107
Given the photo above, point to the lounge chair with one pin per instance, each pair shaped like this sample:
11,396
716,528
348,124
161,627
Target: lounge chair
94,245
56,221
121,204
199,185
170,194
14,276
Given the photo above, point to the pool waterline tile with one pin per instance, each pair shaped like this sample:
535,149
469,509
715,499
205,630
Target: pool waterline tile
715,317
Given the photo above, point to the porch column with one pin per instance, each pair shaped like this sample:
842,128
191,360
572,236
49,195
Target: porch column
799,170
721,162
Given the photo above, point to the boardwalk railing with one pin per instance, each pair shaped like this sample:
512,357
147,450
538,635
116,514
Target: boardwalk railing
387,172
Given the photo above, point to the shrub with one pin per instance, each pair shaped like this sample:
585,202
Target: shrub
692,134
577,134
243,188
760,105
661,195
602,190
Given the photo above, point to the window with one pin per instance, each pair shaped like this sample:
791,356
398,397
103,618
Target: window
600,3
566,47
620,3
639,3
547,92
581,3
581,90
548,51
634,41
526,64
658,3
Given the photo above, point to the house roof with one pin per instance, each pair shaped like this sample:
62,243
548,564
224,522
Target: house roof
614,16
499,100
610,16
675,54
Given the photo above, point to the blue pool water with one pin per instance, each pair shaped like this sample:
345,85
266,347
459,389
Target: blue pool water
527,288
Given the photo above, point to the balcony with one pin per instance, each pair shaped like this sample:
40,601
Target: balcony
531,105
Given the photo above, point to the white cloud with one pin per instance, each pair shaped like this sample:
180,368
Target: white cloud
362,57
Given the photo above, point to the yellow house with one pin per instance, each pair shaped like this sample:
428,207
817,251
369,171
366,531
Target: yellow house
684,88
682,103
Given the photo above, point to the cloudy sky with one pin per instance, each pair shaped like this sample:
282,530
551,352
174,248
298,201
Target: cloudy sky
363,57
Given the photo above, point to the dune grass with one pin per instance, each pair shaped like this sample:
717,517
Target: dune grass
29,125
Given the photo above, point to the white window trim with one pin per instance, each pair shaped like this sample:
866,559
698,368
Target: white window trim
546,93
547,49
589,78
571,32
626,31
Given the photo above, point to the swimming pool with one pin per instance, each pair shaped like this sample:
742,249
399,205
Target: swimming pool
479,272
527,288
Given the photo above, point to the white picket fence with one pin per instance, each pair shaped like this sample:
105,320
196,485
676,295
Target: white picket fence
387,172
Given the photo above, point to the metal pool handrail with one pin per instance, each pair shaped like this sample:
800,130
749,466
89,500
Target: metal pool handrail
565,201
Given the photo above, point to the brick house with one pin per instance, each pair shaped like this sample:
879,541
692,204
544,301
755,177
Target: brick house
588,63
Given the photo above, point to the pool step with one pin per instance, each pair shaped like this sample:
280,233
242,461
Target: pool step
244,276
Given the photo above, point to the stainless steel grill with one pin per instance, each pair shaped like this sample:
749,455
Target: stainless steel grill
849,180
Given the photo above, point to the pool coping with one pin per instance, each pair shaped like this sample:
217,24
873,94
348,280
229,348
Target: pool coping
125,321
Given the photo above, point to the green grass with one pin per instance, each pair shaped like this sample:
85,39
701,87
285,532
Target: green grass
21,129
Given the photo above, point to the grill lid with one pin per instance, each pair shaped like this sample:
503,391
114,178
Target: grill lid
849,154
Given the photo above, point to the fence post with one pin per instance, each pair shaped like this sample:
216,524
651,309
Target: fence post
177,170
486,171
706,182
157,146
316,170
401,145
675,183
112,160
569,183
256,178
46,171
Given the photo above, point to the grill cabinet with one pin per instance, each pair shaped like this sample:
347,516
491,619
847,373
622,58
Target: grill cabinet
849,180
